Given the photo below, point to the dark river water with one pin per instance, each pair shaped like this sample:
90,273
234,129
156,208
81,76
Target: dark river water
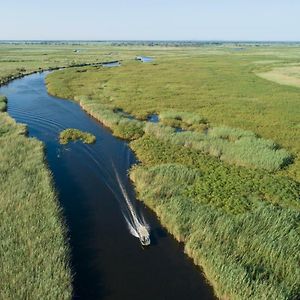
107,261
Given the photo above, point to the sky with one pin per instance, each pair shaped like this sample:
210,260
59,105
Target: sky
267,20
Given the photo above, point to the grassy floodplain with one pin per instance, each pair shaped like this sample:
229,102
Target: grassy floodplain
239,221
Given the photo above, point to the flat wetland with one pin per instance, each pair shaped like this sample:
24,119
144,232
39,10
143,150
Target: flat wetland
220,167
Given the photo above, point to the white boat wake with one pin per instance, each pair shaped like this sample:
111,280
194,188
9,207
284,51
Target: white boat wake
137,225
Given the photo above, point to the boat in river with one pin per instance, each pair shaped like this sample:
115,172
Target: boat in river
144,235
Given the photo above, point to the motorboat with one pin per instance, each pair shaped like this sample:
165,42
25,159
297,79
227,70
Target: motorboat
144,235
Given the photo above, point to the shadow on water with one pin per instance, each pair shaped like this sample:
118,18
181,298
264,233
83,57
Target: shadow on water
108,262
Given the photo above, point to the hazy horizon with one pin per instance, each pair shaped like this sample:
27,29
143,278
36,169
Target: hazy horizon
156,20
150,40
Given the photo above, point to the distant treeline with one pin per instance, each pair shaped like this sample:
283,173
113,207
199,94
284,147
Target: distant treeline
150,43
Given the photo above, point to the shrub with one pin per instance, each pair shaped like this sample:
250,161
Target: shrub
3,103
129,129
185,120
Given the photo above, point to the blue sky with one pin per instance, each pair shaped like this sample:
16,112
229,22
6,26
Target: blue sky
152,19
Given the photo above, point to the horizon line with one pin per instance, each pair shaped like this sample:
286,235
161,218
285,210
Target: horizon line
147,40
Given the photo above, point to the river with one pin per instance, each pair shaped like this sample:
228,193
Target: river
107,261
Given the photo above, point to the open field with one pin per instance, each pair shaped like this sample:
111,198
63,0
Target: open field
33,248
239,221
284,75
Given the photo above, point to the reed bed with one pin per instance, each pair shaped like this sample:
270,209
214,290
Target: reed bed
34,253
244,234
231,145
184,120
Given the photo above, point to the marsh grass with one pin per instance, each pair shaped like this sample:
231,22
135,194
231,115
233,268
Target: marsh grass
235,146
184,120
221,87
33,250
71,134
240,225
121,126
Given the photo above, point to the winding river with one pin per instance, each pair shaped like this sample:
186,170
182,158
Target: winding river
107,261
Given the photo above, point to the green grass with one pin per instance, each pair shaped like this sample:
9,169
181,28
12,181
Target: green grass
241,225
221,88
184,120
72,134
121,126
234,146
227,185
34,253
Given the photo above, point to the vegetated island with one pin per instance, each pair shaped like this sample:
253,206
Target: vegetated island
72,134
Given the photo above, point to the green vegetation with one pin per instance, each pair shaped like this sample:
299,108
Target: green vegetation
227,184
71,134
121,126
184,120
215,83
3,103
240,225
33,250
234,146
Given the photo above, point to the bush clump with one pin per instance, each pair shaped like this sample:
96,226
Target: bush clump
3,103
72,134
184,120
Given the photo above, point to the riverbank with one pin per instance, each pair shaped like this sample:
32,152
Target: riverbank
33,251
225,214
